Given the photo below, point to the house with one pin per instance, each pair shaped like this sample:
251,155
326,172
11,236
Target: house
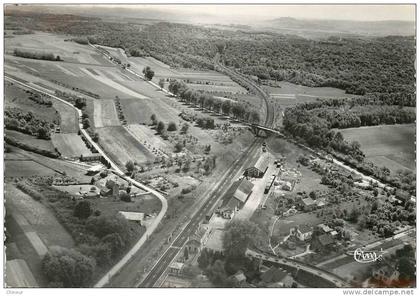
387,274
320,202
176,268
196,241
239,279
308,204
324,228
260,167
302,232
277,276
235,197
287,186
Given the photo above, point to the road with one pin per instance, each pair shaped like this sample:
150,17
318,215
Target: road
104,280
328,276
172,251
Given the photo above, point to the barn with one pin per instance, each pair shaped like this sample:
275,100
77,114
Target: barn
260,167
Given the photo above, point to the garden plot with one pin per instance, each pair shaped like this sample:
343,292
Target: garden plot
70,145
121,146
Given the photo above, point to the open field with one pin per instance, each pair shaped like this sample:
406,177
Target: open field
69,119
137,111
288,94
30,140
45,42
121,146
21,163
392,146
70,145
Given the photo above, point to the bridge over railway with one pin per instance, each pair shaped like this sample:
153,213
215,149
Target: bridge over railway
327,276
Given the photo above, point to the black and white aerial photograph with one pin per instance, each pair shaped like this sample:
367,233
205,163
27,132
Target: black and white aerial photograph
209,145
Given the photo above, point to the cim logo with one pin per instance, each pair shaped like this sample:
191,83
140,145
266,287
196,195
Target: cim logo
362,256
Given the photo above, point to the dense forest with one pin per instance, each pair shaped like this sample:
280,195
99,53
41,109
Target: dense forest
358,65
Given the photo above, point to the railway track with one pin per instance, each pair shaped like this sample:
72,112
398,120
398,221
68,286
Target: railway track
251,86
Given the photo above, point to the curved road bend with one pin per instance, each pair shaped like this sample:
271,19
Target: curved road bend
104,280
328,276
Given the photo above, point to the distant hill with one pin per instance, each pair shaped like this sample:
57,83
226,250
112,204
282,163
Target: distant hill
323,28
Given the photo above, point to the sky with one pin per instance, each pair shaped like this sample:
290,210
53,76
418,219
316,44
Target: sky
264,12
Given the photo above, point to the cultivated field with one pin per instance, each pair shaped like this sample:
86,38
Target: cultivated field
45,42
121,146
198,80
104,113
70,145
392,146
33,228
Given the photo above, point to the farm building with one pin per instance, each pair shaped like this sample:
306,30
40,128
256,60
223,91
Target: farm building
260,167
91,157
176,268
302,232
237,195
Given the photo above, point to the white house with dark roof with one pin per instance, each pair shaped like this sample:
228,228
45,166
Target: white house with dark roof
302,232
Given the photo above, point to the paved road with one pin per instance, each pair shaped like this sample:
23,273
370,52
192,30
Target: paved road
226,180
104,280
328,276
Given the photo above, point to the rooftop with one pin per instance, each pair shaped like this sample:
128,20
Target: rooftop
239,190
262,162
308,201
